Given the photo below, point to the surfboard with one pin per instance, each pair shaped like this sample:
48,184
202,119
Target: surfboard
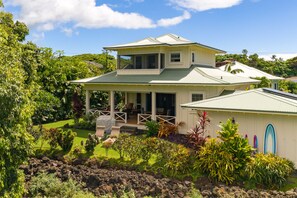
255,142
270,140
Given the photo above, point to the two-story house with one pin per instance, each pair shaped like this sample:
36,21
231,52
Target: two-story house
156,75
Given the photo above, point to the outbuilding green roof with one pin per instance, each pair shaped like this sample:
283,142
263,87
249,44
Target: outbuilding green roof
257,100
195,75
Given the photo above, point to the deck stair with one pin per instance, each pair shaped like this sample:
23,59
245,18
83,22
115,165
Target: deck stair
128,129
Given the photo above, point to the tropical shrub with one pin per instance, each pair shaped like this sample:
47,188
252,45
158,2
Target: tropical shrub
216,162
48,185
121,144
46,107
77,106
149,147
65,139
235,144
52,136
167,129
225,160
133,147
152,128
197,135
177,160
268,170
88,122
91,143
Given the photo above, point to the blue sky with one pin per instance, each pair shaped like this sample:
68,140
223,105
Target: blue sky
265,27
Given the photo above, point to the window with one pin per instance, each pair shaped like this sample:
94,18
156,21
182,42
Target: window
275,86
152,62
175,57
193,57
138,62
197,97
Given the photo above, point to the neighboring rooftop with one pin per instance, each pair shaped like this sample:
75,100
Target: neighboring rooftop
250,72
293,78
164,40
195,75
256,100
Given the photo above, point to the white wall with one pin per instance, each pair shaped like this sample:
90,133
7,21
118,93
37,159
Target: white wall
183,95
203,56
255,124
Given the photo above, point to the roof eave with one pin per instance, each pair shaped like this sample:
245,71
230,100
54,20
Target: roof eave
114,48
240,110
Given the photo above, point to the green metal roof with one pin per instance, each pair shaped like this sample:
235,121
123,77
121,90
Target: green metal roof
256,100
195,75
164,40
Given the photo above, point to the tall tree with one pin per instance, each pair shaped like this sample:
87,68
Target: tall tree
15,104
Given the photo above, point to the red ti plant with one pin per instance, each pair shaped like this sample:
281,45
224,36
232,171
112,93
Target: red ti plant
196,136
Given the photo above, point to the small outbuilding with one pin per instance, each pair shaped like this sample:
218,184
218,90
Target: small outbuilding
267,117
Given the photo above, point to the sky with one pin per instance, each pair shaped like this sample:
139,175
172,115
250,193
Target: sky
265,27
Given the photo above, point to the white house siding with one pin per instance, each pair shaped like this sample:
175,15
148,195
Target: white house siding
203,56
255,124
183,95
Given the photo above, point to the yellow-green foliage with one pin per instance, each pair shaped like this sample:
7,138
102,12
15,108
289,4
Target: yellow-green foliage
237,146
216,162
269,170
226,159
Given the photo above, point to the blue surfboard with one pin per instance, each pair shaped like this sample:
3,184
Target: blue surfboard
270,140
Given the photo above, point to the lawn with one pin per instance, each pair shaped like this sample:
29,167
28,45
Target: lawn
81,136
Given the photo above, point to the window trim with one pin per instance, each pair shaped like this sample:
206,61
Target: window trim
201,93
175,52
193,59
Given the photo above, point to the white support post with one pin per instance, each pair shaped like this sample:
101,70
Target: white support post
112,104
126,97
153,105
118,61
87,101
159,61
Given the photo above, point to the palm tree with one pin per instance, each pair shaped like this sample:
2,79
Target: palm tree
228,68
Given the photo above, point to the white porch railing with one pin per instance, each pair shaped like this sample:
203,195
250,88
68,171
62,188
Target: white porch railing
143,118
118,116
166,119
95,112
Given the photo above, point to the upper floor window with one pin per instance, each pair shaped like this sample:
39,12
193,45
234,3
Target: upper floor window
193,57
175,57
197,97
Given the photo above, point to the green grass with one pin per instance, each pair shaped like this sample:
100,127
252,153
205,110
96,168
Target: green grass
81,136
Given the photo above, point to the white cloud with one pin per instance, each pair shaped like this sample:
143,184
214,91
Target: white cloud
67,31
48,14
284,56
45,15
202,5
174,21
37,36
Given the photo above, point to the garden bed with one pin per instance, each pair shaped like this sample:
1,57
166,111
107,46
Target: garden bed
101,181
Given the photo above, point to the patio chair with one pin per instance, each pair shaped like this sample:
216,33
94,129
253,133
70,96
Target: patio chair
115,131
100,131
